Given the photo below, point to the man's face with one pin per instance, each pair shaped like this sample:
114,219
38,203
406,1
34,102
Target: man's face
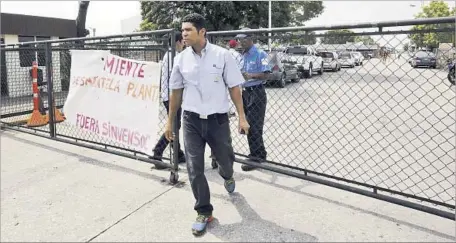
190,35
246,43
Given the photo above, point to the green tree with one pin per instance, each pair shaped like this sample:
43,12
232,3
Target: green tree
228,15
432,39
338,37
366,40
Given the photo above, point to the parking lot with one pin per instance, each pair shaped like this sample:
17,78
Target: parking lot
384,124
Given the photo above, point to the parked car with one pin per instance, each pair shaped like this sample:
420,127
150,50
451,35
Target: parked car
423,58
451,71
283,69
330,60
307,60
359,58
346,59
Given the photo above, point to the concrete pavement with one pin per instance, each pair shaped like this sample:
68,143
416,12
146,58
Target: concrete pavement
52,191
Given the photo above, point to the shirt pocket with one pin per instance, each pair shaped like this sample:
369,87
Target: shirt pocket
252,66
190,74
216,75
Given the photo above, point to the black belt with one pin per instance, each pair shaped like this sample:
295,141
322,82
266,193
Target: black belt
250,88
211,116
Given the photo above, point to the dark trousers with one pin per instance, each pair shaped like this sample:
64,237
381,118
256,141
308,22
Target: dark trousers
215,131
255,100
163,142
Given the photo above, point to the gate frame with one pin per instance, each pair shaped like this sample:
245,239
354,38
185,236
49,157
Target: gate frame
373,193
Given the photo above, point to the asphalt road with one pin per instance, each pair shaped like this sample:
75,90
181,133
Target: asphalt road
384,124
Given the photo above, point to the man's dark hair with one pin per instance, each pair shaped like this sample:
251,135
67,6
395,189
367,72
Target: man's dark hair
177,37
196,19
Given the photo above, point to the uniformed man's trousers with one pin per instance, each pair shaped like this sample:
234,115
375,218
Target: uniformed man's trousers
215,131
255,100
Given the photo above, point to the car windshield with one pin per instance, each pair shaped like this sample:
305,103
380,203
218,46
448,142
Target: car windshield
345,55
297,51
356,54
327,55
423,54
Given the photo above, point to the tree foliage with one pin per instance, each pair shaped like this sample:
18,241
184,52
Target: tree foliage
338,37
433,39
229,15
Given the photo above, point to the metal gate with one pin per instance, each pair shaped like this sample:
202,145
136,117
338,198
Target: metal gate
17,106
348,109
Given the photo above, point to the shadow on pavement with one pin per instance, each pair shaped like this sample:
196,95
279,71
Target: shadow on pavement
252,223
253,228
214,177
89,160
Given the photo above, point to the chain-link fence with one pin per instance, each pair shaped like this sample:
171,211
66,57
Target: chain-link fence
356,105
346,106
17,102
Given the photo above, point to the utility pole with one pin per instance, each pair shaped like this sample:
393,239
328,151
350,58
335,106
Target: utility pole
270,27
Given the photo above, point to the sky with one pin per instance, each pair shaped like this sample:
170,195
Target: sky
106,16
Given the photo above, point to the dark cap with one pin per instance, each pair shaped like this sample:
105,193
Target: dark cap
242,36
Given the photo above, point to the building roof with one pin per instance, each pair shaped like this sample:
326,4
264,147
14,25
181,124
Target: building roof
354,46
18,24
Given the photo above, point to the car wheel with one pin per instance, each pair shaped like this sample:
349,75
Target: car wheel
308,73
321,71
281,82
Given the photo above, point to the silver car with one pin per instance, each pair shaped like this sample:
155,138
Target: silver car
359,58
330,60
347,59
283,69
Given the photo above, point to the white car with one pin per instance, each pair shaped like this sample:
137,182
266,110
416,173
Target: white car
307,60
346,59
330,60
359,58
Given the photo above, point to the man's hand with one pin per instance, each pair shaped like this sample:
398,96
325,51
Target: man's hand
169,131
243,126
246,76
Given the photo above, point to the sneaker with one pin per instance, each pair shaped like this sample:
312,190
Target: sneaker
250,167
230,185
199,227
158,167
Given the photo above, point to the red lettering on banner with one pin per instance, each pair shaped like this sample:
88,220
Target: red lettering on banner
87,123
125,135
123,67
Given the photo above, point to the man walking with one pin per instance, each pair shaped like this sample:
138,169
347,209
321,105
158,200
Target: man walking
255,71
165,70
199,81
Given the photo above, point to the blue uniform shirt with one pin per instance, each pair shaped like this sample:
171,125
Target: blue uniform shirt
255,61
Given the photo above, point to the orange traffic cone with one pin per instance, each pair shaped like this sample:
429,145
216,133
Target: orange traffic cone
36,119
58,116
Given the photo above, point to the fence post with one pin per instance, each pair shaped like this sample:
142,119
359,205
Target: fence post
50,89
174,177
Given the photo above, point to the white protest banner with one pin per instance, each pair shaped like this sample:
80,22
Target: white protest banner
115,98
